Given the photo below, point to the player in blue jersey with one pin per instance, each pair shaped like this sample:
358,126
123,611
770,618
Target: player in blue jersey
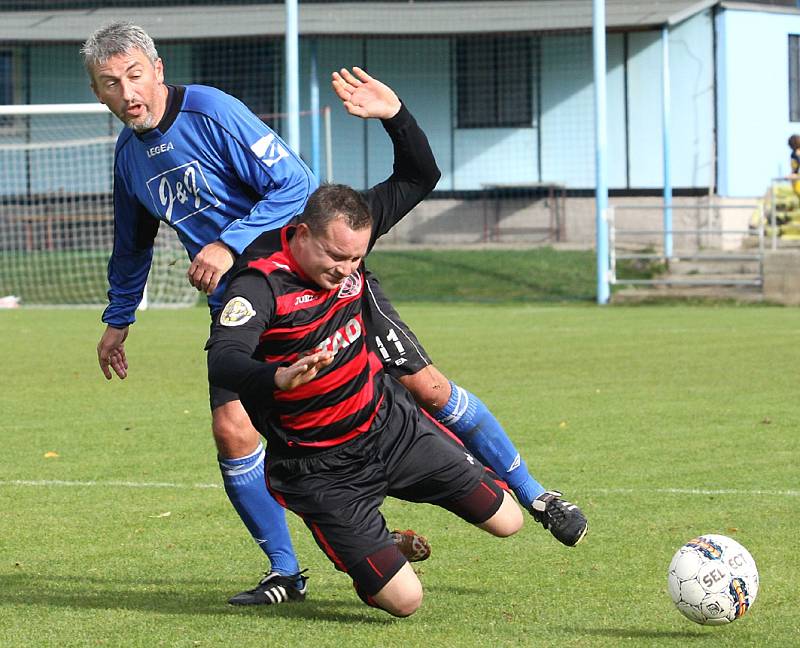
198,160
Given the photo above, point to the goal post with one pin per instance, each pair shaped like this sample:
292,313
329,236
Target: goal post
56,210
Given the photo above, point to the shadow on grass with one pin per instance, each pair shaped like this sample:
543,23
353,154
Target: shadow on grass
639,633
168,596
433,589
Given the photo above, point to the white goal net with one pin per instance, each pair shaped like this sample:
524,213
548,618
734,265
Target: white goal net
56,212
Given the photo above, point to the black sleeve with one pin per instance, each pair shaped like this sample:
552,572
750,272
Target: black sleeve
414,174
146,228
249,306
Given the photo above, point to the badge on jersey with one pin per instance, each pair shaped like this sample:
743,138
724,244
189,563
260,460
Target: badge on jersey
269,150
351,286
237,311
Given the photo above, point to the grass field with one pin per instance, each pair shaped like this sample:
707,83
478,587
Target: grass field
541,274
661,422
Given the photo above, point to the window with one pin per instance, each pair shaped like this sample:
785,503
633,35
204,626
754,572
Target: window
794,78
494,82
6,78
6,87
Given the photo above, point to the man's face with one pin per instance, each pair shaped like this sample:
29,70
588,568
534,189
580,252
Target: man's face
332,256
133,88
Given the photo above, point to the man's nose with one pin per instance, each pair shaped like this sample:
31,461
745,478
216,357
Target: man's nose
127,89
346,268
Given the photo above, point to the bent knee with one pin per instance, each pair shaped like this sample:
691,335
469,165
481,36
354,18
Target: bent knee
429,387
507,521
401,596
404,604
234,434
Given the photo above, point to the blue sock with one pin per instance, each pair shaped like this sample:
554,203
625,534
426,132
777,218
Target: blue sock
471,421
261,514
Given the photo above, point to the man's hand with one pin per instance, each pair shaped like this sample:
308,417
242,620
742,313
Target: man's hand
207,268
302,371
111,352
364,96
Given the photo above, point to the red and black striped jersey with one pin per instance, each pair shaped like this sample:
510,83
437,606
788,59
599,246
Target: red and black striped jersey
275,314
294,318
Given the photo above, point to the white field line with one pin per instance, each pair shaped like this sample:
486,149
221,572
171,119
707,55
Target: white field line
107,484
696,491
600,491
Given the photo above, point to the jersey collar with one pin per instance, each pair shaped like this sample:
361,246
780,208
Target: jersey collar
175,96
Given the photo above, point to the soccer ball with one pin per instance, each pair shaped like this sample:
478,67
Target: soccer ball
712,580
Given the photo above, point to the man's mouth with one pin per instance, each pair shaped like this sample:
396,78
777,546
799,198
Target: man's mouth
134,110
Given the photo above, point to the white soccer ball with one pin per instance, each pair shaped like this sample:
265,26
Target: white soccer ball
712,580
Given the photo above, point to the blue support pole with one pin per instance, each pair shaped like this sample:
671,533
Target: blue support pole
601,152
292,77
315,114
665,132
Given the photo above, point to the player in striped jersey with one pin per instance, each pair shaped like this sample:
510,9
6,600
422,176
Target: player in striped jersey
342,434
198,160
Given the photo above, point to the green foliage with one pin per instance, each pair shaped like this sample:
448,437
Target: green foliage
660,422
641,268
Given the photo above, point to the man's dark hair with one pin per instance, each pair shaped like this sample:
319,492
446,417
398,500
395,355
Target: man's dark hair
794,142
332,201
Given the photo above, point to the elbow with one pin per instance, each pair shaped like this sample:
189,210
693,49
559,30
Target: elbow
435,176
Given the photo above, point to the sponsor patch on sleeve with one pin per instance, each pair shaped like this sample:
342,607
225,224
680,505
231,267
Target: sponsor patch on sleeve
237,312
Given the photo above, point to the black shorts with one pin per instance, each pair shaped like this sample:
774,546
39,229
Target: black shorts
389,336
337,492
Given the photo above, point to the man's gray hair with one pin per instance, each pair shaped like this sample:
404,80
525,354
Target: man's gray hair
116,38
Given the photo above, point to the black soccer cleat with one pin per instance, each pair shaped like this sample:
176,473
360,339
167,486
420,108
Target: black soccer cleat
273,589
563,519
413,546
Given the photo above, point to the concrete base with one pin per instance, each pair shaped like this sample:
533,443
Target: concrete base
715,223
782,277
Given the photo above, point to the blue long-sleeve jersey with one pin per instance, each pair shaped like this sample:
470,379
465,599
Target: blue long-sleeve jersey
212,171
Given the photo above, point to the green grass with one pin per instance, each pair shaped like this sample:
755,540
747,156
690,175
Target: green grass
624,409
537,274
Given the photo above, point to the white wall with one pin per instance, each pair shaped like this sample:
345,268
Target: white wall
753,99
691,63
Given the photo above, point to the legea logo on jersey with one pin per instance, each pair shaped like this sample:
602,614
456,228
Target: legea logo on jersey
269,150
181,192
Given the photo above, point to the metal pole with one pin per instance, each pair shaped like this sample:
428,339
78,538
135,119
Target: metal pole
328,145
601,155
772,220
315,116
292,77
665,125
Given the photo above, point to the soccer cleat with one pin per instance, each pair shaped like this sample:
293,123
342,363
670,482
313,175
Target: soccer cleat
412,545
562,518
274,588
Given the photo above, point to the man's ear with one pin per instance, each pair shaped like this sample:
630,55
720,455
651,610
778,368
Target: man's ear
94,88
302,232
159,67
